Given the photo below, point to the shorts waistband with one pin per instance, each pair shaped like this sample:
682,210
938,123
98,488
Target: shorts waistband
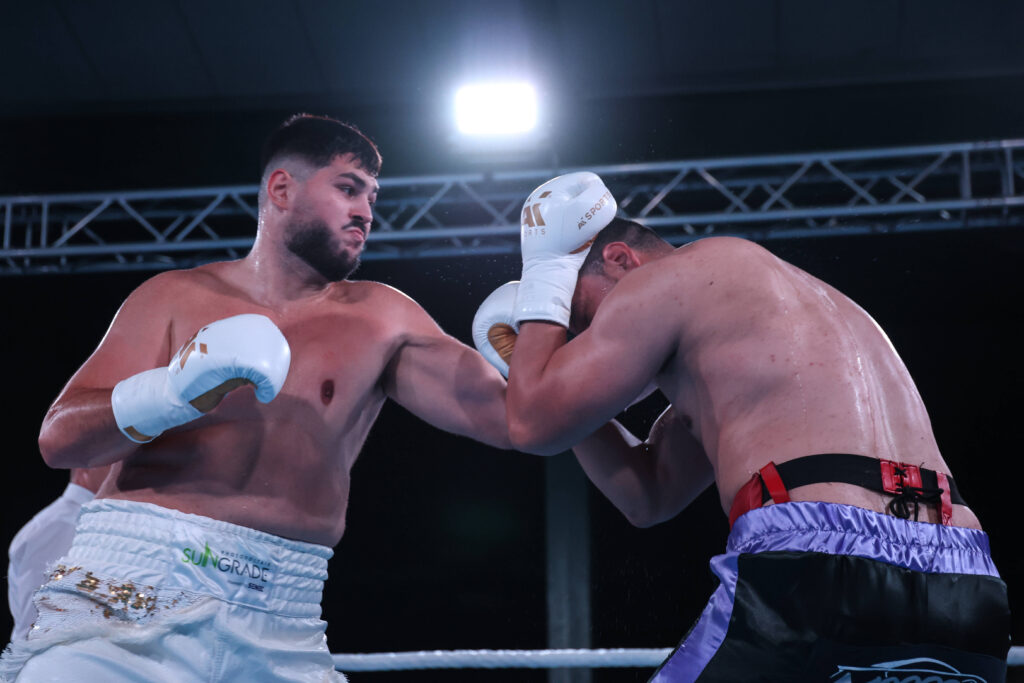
848,530
175,550
910,485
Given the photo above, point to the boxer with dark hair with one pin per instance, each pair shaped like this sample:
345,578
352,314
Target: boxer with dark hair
231,401
851,545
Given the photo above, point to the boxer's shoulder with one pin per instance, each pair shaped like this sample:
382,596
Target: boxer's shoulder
735,253
358,291
376,309
380,299
707,266
172,285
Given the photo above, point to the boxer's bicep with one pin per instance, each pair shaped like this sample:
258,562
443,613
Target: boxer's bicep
137,339
447,384
79,429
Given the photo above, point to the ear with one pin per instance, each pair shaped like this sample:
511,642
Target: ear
619,259
281,188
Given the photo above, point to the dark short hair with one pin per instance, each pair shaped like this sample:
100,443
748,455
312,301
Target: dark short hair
317,140
637,236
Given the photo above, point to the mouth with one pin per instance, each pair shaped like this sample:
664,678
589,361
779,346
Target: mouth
357,232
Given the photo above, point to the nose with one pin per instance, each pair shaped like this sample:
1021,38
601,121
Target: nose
362,213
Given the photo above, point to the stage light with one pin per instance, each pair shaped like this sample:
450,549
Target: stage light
495,109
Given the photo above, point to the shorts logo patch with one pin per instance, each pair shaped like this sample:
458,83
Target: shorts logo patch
919,670
255,571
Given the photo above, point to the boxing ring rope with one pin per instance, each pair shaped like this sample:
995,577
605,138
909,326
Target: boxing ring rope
501,659
526,659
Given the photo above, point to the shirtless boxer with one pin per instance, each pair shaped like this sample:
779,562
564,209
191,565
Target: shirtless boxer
43,541
204,554
764,365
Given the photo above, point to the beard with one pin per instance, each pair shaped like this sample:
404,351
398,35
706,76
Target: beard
313,243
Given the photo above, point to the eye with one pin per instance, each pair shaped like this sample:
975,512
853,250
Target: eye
347,189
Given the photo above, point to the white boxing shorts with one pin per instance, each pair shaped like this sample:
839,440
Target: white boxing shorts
152,595
35,548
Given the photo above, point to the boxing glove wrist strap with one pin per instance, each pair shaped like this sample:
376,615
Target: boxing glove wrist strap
144,406
546,289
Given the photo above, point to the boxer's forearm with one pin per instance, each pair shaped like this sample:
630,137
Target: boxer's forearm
79,431
543,415
621,467
540,415
650,481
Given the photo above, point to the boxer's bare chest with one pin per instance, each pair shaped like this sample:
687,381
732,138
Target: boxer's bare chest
340,348
294,453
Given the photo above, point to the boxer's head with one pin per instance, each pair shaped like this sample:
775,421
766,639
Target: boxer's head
314,142
619,248
317,191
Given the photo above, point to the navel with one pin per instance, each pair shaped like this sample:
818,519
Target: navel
327,391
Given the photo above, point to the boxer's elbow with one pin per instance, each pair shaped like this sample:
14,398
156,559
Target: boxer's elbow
531,437
532,426
53,445
644,516
649,502
60,444
639,519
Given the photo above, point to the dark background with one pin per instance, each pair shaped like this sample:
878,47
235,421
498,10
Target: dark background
445,542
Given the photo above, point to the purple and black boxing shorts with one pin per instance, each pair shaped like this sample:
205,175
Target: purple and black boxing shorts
826,592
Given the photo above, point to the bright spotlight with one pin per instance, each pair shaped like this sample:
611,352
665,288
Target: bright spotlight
495,108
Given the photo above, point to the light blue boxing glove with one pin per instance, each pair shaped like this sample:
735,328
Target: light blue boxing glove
220,357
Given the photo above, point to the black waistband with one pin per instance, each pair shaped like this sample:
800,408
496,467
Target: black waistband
859,470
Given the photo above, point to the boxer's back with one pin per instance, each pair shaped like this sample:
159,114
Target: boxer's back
774,364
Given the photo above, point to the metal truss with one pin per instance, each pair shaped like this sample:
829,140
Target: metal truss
856,192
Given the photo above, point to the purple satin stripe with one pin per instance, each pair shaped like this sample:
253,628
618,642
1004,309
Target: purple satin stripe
822,528
848,530
686,663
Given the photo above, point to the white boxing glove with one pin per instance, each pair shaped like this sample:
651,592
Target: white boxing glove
560,220
220,357
494,330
